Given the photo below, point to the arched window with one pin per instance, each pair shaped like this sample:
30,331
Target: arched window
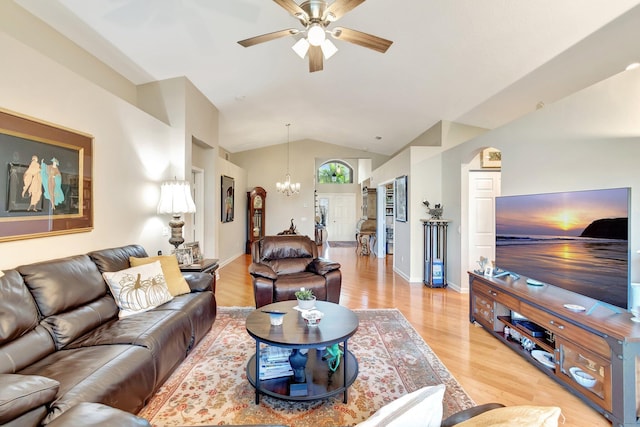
335,172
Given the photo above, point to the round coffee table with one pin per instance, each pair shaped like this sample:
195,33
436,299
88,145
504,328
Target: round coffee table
337,326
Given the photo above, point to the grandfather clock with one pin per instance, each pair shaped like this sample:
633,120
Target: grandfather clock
255,215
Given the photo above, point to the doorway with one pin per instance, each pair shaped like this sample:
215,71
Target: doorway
341,215
484,187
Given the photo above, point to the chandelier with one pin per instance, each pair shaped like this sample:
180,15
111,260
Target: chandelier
287,187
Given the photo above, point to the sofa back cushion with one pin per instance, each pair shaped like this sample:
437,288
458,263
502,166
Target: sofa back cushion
22,340
116,259
286,254
287,246
18,309
62,284
71,296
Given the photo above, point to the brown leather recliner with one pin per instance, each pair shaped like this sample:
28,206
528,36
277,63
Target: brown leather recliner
284,264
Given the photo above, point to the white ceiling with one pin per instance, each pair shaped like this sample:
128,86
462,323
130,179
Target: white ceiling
478,62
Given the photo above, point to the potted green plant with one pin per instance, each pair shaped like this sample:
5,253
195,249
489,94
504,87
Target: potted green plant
306,299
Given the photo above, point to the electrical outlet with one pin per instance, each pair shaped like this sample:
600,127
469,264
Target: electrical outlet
165,231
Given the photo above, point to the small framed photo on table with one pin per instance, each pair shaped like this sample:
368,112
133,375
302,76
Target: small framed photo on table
184,256
196,255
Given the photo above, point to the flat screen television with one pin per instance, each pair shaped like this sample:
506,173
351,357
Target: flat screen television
575,240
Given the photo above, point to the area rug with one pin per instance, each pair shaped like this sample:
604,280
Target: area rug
342,244
210,387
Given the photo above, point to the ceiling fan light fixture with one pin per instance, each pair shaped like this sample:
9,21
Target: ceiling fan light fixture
328,48
315,35
301,47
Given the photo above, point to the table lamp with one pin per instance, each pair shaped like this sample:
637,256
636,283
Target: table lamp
175,199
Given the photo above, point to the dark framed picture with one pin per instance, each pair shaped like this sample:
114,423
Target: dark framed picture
227,191
45,179
400,195
196,255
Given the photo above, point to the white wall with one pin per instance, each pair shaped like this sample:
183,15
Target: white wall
232,236
129,154
266,166
589,140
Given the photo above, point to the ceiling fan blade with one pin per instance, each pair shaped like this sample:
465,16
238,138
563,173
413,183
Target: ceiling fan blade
339,7
363,39
315,58
268,37
293,8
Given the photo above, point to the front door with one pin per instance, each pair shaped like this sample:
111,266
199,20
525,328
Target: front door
341,215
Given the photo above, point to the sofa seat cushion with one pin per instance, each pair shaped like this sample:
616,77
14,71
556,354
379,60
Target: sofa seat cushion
138,289
166,333
122,376
199,307
287,285
175,280
20,394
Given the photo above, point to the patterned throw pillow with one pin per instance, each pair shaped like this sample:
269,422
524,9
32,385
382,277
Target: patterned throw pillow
175,280
138,289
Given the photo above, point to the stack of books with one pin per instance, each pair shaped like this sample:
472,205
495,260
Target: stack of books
274,363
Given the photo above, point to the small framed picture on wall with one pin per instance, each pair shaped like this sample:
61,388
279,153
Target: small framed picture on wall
227,191
400,194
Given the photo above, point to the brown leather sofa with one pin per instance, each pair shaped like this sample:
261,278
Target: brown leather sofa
285,263
62,343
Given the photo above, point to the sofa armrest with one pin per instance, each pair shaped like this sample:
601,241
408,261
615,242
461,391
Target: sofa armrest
262,270
323,266
22,393
199,282
461,416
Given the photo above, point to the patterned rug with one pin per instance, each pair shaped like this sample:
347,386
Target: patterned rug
340,244
210,386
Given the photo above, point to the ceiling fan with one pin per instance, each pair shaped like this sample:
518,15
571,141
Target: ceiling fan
316,16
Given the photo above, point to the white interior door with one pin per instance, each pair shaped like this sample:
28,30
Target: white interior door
341,216
483,189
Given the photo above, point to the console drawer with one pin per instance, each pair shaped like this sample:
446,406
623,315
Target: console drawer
498,296
565,329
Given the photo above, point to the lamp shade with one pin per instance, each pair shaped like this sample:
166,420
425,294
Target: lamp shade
175,198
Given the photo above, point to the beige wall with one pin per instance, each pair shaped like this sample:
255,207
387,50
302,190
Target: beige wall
266,166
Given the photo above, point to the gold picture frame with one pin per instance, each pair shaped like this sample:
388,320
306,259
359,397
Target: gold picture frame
45,179
491,158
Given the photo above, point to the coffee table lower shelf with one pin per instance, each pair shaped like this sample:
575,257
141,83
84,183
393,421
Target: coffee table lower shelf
319,386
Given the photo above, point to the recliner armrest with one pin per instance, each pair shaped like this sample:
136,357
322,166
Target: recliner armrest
199,282
22,393
323,266
262,270
461,416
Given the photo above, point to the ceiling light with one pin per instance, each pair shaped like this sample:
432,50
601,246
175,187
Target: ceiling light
632,66
316,35
328,48
287,187
301,48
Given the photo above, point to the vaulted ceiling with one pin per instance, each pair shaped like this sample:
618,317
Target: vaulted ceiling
478,62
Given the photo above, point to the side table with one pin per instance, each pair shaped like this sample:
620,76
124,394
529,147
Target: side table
207,265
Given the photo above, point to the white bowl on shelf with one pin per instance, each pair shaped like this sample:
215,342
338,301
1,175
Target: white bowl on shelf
582,378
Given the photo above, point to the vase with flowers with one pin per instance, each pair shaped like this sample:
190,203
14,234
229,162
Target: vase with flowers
306,299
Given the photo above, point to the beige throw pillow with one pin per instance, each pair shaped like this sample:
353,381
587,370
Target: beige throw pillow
521,416
138,289
172,274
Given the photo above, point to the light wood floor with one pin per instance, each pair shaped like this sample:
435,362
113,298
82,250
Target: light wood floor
486,369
